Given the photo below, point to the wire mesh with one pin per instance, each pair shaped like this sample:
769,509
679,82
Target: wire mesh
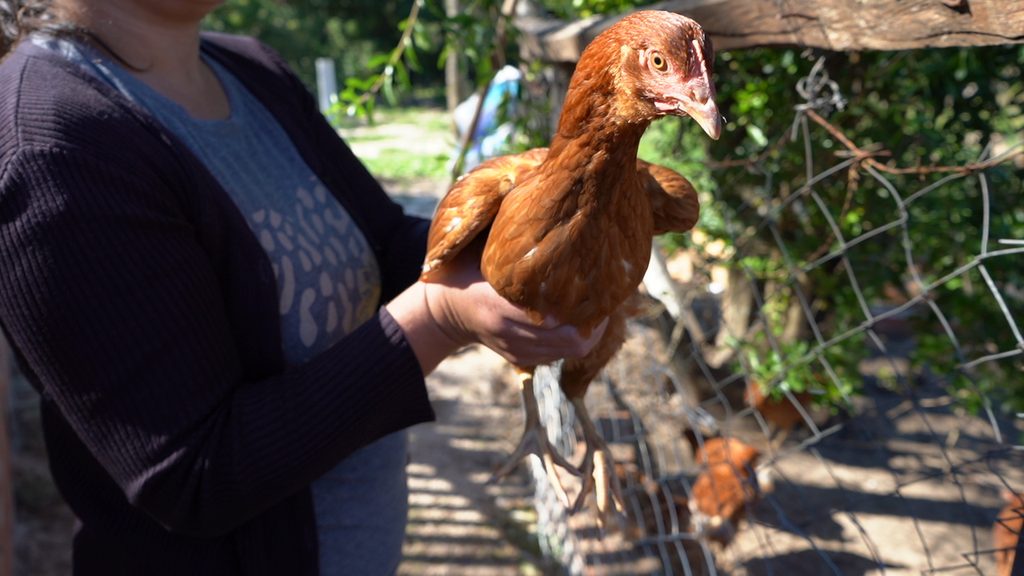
907,481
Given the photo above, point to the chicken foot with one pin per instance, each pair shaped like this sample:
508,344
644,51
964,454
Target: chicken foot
535,441
598,469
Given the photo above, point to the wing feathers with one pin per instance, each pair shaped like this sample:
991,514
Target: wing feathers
471,204
673,199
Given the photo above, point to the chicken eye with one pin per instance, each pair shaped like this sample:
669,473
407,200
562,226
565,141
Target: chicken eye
658,61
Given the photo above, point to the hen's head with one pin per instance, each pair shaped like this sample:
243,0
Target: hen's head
661,63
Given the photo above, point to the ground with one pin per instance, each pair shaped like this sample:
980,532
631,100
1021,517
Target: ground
460,524
907,484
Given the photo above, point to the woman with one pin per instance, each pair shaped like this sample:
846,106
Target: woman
193,271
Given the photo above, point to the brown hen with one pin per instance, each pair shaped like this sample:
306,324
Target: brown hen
571,226
781,413
725,487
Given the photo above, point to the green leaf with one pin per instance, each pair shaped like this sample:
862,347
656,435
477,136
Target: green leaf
757,135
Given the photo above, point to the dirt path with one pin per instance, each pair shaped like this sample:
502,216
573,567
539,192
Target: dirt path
458,524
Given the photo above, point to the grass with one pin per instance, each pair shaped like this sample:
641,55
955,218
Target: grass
432,119
403,143
398,164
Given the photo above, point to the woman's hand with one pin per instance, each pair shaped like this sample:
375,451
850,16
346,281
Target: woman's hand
466,309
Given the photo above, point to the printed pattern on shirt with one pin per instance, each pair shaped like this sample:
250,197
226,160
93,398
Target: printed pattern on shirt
325,273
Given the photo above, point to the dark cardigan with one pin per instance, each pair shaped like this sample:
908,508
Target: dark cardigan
145,312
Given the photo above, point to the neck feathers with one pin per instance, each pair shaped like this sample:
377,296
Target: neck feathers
597,114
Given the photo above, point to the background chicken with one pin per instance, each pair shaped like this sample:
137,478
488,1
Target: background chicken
1006,532
781,413
571,226
725,487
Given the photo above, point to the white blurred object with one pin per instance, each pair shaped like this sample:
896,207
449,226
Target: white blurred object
326,84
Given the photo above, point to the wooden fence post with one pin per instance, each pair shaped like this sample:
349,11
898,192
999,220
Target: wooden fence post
456,76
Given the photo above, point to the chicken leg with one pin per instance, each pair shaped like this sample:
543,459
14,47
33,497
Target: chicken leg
598,468
535,441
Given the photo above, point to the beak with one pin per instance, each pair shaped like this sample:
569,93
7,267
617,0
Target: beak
696,98
702,108
697,101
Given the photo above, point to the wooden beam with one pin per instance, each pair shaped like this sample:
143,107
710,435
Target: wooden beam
456,79
829,24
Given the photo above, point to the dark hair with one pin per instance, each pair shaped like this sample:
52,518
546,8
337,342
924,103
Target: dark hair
18,18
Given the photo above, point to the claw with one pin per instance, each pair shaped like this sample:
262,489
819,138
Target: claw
598,470
535,441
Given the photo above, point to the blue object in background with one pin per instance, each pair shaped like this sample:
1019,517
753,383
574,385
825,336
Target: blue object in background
490,138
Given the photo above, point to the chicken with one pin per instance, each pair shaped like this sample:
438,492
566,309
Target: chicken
569,228
726,485
1006,532
782,413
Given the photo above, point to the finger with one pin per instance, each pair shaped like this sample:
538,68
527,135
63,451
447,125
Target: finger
528,356
497,304
551,350
575,345
535,346
572,335
550,322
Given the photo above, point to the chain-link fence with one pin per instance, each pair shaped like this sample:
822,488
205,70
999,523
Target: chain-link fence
910,470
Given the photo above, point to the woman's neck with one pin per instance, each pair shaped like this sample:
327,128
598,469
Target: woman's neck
159,43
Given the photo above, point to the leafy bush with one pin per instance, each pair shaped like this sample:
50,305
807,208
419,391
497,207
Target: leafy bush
358,34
